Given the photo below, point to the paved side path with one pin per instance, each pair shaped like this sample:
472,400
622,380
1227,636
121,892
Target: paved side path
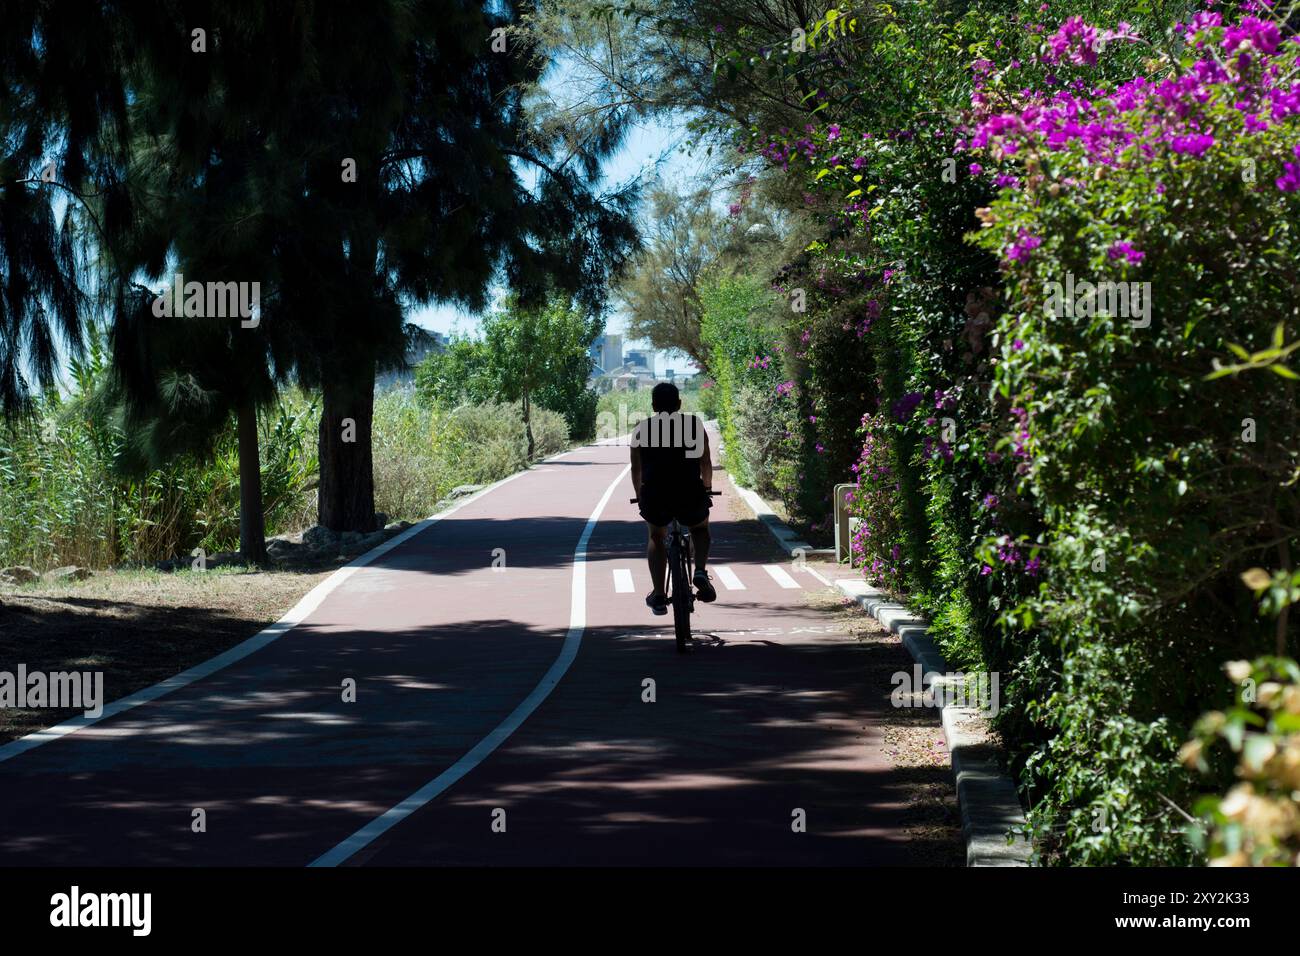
765,722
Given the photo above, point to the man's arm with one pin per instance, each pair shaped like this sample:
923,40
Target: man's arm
636,471
706,462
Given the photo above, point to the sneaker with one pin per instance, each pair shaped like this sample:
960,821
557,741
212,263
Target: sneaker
658,603
703,588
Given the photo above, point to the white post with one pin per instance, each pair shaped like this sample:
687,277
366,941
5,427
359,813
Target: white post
842,533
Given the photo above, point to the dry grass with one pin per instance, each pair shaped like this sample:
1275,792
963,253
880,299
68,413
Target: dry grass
138,627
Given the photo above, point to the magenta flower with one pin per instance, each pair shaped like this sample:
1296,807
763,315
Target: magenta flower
1025,243
1262,36
1196,144
1289,181
1125,250
1074,42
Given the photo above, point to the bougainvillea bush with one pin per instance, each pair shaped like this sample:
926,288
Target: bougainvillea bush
1147,232
1071,219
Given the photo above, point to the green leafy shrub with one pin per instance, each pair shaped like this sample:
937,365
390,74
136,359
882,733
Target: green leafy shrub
764,422
487,442
740,346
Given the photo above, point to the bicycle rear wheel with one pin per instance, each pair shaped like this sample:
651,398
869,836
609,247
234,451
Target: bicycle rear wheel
681,597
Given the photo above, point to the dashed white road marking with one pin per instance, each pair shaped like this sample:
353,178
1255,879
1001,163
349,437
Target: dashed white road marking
623,581
779,575
820,577
727,577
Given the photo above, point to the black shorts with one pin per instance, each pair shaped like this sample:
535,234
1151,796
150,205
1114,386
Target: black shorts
689,506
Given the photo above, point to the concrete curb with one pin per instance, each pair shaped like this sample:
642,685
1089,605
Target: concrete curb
987,797
787,538
989,805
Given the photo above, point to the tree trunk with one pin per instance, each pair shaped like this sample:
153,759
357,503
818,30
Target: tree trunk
252,527
528,424
346,499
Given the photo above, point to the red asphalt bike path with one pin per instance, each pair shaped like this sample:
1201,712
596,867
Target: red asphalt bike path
767,720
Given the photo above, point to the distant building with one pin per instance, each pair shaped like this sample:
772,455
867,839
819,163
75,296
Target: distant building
607,353
639,358
630,377
611,353
419,343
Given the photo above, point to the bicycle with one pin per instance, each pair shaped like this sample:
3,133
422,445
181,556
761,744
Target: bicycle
681,560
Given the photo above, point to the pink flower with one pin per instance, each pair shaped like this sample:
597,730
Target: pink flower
1260,35
1289,181
1197,144
1025,243
1125,250
1075,42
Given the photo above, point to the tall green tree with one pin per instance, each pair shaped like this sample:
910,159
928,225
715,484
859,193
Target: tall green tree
456,187
527,354
688,236
356,163
536,352
63,107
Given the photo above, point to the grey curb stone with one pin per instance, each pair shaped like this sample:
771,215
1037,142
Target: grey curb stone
986,796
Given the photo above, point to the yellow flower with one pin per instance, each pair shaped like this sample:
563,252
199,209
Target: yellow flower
1232,859
1238,671
1189,754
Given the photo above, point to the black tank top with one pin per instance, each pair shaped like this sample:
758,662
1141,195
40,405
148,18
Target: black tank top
671,445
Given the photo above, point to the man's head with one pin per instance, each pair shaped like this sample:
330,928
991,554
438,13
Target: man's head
664,397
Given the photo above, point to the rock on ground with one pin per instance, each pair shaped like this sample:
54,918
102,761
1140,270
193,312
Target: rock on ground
18,574
68,572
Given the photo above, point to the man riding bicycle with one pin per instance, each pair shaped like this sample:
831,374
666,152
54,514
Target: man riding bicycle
672,473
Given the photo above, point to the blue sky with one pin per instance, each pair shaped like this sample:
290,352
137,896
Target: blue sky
648,144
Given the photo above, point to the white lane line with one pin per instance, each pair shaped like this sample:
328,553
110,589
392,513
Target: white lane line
577,624
778,575
297,614
727,577
623,581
